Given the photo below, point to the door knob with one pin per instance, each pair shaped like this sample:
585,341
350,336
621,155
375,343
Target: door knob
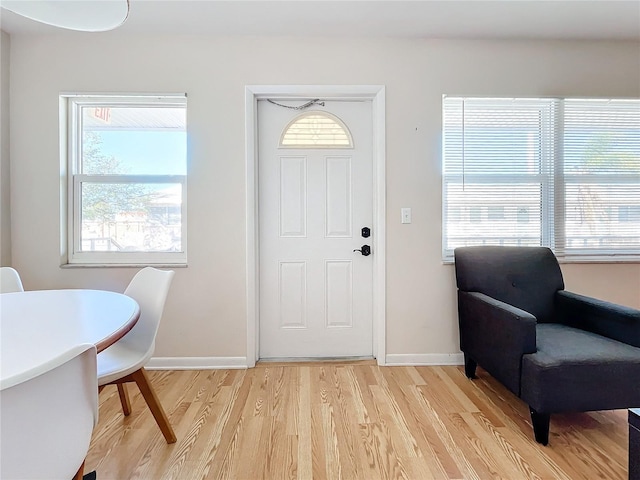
365,250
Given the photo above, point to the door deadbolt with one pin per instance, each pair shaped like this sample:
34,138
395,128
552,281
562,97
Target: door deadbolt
365,250
366,232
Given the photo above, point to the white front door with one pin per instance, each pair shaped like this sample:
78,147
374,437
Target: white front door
315,291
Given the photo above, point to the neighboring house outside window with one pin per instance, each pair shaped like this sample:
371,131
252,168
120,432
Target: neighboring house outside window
127,179
562,173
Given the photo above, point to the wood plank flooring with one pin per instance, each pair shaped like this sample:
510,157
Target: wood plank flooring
347,421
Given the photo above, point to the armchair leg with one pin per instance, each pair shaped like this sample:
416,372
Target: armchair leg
469,366
540,422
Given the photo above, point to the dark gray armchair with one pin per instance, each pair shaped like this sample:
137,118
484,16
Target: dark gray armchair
556,350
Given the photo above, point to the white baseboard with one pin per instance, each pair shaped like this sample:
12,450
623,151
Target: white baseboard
211,363
196,363
408,359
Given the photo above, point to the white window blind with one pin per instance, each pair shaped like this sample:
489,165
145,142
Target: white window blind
562,173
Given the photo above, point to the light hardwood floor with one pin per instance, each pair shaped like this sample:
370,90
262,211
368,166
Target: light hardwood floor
351,421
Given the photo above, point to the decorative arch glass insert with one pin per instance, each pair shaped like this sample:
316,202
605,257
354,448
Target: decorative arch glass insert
316,130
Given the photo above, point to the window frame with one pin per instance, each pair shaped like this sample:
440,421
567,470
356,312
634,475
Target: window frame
553,181
72,105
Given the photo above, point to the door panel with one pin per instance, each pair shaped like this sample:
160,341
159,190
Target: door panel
339,293
315,291
293,294
338,197
293,196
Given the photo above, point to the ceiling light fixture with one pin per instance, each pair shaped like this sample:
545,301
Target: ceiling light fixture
81,15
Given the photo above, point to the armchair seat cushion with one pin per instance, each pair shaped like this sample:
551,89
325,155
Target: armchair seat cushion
576,370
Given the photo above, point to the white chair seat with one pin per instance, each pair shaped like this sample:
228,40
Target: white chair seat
118,361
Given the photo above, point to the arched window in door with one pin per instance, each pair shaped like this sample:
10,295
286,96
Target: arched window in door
316,130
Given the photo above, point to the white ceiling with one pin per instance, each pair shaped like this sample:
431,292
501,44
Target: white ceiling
482,19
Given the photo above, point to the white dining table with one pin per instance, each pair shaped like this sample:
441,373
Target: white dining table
37,326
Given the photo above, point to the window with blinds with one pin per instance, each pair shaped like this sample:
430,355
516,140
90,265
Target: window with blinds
562,173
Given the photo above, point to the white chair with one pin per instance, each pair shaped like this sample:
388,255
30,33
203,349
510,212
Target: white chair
124,361
48,417
10,280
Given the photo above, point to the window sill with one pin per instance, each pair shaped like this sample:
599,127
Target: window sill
123,265
590,260
602,259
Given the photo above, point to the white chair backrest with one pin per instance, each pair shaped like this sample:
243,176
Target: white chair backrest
149,287
48,418
10,280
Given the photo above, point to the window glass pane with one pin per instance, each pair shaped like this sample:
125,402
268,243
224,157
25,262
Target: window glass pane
131,217
134,140
602,172
489,214
602,137
603,217
496,136
498,164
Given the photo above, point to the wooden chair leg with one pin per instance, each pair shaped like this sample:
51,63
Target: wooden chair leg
141,379
80,473
124,399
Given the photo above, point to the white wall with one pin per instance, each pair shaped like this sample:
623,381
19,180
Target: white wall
5,202
205,314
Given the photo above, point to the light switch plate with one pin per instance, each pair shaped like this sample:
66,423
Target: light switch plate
406,214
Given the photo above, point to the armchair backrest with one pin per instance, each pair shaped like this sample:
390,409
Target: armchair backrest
525,277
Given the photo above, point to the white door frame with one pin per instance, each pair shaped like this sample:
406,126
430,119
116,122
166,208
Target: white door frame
375,93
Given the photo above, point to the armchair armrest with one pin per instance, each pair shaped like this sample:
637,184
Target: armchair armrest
496,335
604,318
